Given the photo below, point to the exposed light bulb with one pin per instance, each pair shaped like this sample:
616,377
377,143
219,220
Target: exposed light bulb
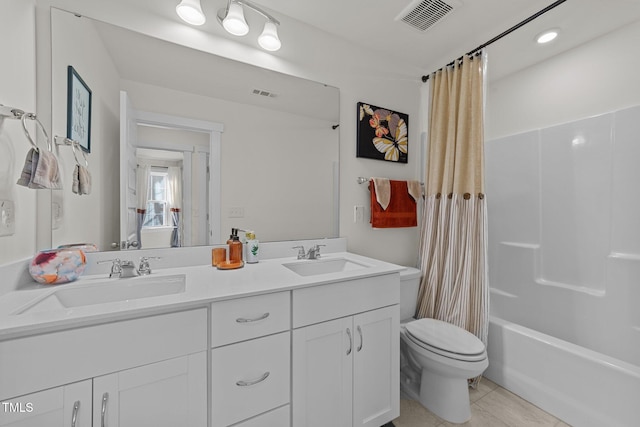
547,36
234,22
190,11
269,40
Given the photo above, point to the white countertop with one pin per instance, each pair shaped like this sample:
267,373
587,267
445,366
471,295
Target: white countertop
204,284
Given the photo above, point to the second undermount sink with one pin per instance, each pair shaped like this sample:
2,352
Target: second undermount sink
323,266
112,290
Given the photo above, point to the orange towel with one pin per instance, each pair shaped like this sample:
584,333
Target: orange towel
401,211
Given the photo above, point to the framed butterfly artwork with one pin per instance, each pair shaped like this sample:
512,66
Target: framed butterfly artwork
382,134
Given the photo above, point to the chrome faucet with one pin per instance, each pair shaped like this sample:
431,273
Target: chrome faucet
313,253
125,268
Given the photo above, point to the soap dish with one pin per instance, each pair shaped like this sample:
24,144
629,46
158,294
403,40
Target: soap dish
230,265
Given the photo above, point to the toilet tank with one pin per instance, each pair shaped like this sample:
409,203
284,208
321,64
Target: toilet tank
409,285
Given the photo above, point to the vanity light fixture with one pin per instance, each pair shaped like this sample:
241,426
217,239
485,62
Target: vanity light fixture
190,11
547,36
232,19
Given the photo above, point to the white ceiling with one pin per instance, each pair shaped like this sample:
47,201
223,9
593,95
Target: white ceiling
372,24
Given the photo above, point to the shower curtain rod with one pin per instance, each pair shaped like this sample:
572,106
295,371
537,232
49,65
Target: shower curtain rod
505,33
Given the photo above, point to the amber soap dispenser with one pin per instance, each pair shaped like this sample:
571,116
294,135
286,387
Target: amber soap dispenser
235,247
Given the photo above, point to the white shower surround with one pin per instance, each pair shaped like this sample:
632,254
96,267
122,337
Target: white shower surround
564,262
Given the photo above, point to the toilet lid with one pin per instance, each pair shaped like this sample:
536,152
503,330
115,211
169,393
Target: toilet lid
445,336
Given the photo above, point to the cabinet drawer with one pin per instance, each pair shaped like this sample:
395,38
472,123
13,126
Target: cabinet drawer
249,378
317,304
251,317
276,418
43,361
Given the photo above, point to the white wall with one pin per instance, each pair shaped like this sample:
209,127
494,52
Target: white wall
17,89
310,53
94,217
594,78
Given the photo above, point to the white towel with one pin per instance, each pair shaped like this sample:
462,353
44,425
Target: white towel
40,170
29,168
415,189
47,174
383,191
81,180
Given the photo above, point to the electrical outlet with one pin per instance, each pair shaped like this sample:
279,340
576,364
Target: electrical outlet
237,212
7,218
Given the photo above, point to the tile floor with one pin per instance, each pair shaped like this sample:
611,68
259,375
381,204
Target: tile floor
491,406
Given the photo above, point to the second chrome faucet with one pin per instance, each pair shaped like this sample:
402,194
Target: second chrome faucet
126,268
313,253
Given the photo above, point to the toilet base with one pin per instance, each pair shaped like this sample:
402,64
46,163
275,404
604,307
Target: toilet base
446,397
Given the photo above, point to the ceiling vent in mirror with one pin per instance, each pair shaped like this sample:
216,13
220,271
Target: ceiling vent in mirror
264,93
424,14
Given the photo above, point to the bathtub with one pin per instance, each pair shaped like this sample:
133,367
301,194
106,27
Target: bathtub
578,385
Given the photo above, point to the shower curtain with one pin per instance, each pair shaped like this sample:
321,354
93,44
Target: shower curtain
453,244
174,196
143,177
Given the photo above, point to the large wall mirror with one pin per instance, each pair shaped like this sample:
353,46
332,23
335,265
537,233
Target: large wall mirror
278,150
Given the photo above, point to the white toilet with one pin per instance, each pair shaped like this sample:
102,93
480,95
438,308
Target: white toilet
436,358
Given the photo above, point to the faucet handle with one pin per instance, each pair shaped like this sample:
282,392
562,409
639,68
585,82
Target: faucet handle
301,252
116,266
314,252
145,266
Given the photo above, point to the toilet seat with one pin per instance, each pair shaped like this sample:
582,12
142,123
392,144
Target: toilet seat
446,340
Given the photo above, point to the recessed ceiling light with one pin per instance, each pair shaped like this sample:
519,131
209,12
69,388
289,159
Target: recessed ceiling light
546,36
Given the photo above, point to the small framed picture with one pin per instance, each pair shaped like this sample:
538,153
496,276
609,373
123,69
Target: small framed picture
78,110
382,134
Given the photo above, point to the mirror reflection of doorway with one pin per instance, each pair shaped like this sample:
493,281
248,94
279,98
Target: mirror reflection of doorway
167,195
162,174
175,186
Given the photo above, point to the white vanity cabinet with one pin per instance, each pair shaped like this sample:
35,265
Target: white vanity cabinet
345,350
250,361
163,394
152,371
68,405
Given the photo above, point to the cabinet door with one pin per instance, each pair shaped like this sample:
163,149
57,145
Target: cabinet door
322,374
376,377
168,393
67,406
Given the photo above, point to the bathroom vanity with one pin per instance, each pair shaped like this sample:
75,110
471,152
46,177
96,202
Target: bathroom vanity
283,342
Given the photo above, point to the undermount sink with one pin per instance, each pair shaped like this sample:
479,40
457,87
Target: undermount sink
112,290
323,266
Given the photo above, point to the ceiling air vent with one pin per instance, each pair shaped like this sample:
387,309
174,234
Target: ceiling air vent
264,93
423,14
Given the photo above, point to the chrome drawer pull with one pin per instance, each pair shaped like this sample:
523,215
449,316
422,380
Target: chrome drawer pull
105,398
256,319
350,342
361,341
248,383
74,414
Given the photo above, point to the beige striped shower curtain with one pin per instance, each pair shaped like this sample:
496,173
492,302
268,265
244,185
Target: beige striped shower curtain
453,244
